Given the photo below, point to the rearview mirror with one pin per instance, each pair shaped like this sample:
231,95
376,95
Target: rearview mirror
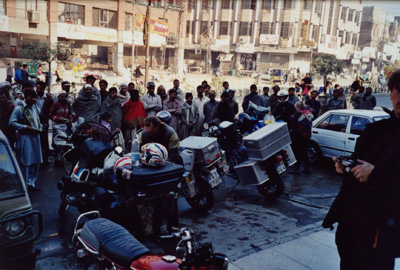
205,125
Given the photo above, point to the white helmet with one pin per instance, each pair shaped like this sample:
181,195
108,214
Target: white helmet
283,93
123,162
153,154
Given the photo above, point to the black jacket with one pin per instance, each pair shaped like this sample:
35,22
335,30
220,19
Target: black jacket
365,205
283,111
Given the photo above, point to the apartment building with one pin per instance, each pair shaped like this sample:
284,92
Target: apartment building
226,34
106,33
264,34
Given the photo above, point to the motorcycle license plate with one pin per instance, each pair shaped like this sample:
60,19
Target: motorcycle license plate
280,168
214,179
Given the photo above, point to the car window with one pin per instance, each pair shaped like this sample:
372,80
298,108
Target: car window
358,124
335,122
10,184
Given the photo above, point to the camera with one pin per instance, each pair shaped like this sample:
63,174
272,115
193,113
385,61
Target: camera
348,163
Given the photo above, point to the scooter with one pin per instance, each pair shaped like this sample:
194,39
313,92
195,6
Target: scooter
103,244
205,164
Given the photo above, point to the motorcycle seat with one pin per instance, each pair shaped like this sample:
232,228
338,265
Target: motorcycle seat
113,241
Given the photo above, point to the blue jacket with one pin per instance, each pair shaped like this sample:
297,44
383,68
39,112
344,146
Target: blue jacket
18,76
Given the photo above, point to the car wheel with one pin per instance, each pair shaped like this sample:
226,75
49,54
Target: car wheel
313,152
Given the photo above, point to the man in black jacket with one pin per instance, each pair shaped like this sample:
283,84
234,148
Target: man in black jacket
367,207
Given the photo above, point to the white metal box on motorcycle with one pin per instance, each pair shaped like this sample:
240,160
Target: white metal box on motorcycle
266,141
206,149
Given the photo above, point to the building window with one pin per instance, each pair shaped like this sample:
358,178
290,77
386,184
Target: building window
191,4
249,4
286,29
357,19
204,28
70,13
307,5
315,32
224,28
190,27
341,36
171,2
104,18
303,30
267,28
344,12
268,4
3,7
351,14
245,28
128,22
226,4
211,4
318,6
31,4
347,37
354,41
287,4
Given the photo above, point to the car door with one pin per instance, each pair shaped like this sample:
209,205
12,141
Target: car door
357,125
330,134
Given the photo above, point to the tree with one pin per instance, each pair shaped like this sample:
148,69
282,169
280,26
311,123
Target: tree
324,64
43,52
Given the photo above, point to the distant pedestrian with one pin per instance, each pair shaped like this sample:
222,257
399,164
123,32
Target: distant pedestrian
199,102
335,103
25,120
174,107
253,97
368,101
292,99
113,105
273,99
151,102
189,117
123,95
265,96
133,117
357,97
232,103
180,96
162,93
103,90
210,108
87,106
224,111
313,103
9,71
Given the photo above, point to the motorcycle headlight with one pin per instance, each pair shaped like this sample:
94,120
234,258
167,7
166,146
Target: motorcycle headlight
15,228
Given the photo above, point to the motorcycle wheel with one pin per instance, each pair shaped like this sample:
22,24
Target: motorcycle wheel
273,188
62,208
203,201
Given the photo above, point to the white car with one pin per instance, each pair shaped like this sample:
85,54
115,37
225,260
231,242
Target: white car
335,132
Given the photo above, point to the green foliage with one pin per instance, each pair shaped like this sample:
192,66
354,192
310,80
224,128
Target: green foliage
43,52
325,64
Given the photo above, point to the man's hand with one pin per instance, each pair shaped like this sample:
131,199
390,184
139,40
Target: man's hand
339,167
362,171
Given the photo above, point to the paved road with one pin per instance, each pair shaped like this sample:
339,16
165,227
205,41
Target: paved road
241,223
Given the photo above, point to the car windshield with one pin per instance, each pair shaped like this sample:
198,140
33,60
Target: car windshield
10,184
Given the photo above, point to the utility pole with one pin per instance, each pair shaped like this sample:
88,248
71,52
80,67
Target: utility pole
147,44
133,41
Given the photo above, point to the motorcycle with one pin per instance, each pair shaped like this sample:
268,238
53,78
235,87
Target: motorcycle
204,163
62,141
103,244
252,165
85,164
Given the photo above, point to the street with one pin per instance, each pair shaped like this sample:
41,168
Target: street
242,221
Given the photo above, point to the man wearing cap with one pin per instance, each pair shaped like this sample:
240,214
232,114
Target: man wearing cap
335,103
151,102
25,119
65,86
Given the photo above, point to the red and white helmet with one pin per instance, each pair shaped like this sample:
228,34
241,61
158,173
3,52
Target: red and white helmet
153,154
124,162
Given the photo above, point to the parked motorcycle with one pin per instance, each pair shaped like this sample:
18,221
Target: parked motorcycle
260,158
204,163
85,162
103,244
62,141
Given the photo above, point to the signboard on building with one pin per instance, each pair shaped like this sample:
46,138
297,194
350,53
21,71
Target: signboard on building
220,45
80,32
330,44
244,48
155,40
127,39
368,52
355,61
157,27
269,39
4,23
